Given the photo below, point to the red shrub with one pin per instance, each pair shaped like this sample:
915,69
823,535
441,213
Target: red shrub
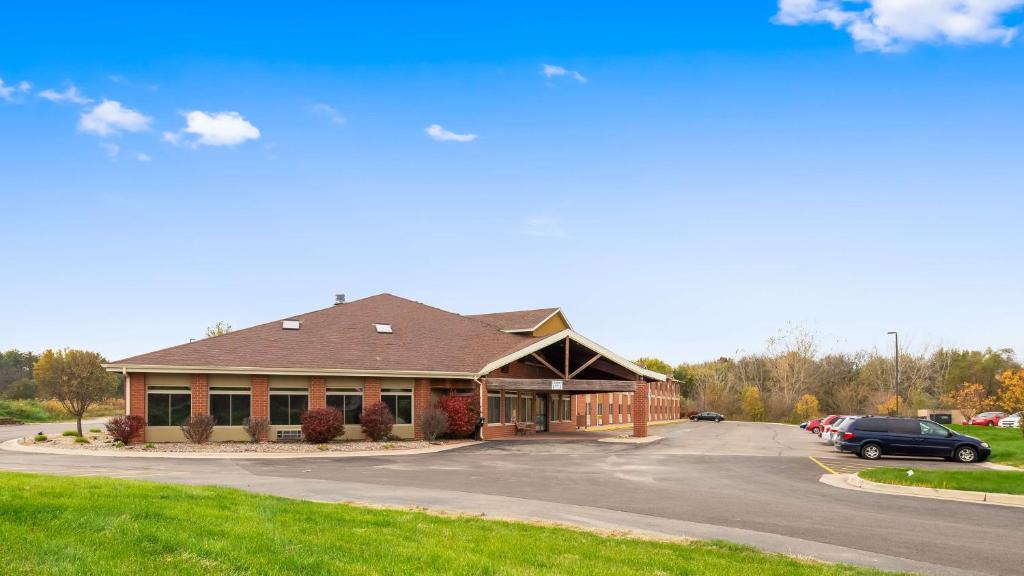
463,413
377,421
322,425
125,428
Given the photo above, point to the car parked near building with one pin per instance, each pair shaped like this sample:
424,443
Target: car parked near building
838,431
814,426
826,422
708,416
988,419
873,437
1011,421
828,434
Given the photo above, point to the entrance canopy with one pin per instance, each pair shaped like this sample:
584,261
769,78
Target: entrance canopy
553,385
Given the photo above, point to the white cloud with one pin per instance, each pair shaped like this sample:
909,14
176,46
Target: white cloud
143,157
895,25
551,71
437,132
110,117
327,111
70,94
7,92
213,129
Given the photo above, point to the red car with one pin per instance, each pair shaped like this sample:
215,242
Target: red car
988,419
826,423
814,426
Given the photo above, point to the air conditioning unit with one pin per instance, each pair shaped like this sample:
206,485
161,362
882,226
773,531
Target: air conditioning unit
289,434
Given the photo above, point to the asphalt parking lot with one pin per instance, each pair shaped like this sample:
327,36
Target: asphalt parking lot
750,483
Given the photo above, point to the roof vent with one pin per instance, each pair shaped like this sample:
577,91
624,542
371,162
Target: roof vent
339,299
383,328
290,324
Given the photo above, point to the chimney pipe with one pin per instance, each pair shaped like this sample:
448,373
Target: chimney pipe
339,299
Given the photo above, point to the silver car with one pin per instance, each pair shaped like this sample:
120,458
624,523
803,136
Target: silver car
1011,421
837,433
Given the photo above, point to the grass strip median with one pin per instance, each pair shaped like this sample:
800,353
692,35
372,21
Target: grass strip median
61,525
997,481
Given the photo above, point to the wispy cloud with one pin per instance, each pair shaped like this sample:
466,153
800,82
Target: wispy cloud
896,25
213,129
70,94
110,117
437,132
552,71
143,157
8,92
543,227
113,150
328,112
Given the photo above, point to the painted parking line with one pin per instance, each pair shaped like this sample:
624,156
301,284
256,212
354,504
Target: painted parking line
820,463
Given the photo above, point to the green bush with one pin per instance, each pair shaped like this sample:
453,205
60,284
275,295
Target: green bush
80,439
95,430
27,411
21,389
70,433
148,445
41,437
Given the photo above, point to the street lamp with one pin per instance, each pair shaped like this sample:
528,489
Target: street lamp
897,359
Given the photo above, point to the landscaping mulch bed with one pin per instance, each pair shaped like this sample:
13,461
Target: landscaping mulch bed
102,442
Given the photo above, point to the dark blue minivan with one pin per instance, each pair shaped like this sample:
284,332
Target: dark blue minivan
873,437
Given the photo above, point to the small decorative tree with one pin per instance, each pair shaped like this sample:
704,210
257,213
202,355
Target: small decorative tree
969,399
124,429
75,378
322,425
258,429
198,428
463,413
1011,392
377,421
433,422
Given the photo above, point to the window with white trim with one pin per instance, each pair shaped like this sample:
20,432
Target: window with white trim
510,405
348,401
230,405
566,407
168,405
287,405
399,400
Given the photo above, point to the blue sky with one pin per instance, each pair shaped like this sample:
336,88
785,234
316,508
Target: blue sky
688,181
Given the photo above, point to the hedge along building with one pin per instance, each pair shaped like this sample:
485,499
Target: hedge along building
526,366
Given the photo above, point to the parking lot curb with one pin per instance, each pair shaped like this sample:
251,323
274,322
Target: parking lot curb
854,482
631,440
15,445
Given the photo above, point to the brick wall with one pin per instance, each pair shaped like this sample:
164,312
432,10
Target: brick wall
137,401
640,410
200,394
260,397
317,392
371,392
420,402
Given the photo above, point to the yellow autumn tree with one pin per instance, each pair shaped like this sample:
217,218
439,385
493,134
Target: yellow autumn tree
888,406
807,407
1011,392
969,398
751,404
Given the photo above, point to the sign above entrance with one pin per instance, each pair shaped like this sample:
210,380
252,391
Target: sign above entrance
556,384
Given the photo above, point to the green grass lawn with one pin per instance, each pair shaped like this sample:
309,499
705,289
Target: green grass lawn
1005,482
1007,443
59,525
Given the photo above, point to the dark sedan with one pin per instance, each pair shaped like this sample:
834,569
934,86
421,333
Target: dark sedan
709,416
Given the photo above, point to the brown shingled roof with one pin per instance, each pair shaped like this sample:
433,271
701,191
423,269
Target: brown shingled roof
516,319
343,337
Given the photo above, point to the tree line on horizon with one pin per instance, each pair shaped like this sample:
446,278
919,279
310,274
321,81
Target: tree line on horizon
791,380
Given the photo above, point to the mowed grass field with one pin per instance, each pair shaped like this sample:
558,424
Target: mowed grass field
60,525
977,480
1007,443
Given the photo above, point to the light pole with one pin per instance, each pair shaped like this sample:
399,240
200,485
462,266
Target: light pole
896,357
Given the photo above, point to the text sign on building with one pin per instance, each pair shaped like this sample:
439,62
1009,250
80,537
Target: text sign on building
556,384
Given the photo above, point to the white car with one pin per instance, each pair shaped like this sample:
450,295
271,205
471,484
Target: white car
1011,421
837,431
828,435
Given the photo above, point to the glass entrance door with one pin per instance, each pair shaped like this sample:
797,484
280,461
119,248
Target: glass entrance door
540,412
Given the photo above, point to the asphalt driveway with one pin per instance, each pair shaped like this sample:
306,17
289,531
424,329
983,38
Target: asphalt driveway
750,483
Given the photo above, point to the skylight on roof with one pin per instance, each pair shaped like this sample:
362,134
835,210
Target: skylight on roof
383,328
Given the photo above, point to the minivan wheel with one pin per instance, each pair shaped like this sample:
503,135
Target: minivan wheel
871,451
966,454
